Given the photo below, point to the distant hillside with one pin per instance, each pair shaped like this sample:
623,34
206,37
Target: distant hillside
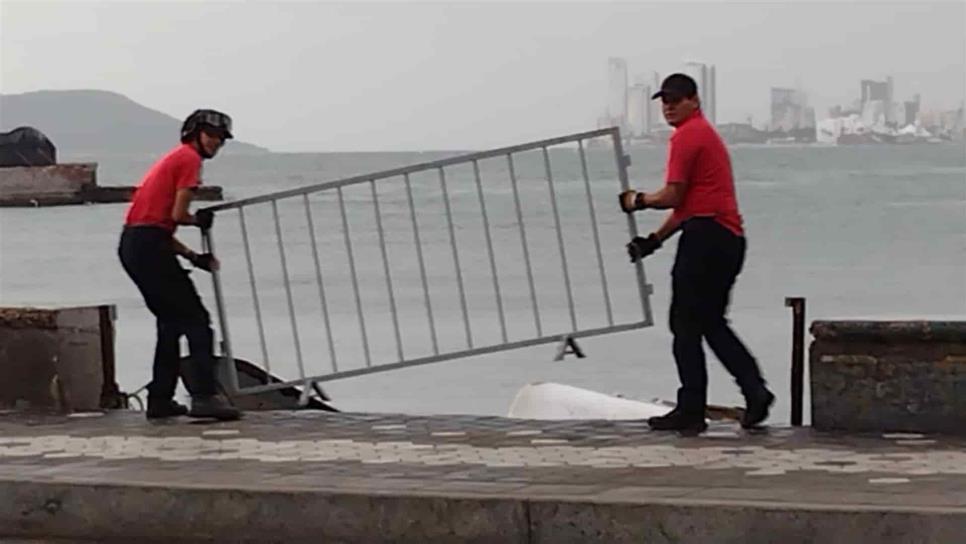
96,122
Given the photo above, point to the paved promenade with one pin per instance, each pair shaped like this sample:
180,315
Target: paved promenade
316,477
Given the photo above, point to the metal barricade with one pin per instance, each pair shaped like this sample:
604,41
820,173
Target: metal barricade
458,257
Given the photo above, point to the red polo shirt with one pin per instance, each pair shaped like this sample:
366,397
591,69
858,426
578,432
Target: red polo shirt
697,155
154,198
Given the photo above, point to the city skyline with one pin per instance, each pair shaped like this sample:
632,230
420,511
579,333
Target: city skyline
320,76
877,116
796,97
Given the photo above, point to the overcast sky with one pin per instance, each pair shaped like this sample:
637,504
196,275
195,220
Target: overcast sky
301,76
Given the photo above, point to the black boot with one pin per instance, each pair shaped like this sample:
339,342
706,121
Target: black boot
213,406
162,408
756,408
678,420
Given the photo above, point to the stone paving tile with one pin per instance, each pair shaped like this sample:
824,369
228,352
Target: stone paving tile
307,450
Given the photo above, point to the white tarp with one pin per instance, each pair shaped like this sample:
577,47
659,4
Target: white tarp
558,401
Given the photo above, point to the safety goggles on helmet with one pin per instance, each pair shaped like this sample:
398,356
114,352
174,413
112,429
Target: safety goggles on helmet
212,120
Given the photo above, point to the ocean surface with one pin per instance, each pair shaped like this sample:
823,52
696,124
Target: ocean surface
861,232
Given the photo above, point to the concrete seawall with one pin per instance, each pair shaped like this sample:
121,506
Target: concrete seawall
315,477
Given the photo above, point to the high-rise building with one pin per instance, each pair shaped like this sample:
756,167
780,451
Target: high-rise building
617,92
874,90
789,110
713,94
881,91
638,109
654,106
911,112
704,76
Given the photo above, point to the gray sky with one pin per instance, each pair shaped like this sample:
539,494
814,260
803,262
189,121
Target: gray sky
309,76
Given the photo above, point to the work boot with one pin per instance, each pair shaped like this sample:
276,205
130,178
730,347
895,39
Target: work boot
677,420
162,408
213,406
756,408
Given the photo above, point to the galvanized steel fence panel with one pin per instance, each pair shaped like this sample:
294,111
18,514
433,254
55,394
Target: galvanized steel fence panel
463,256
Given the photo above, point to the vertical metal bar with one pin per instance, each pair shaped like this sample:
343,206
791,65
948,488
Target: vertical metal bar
489,250
318,279
593,225
456,258
385,269
228,368
560,243
288,291
642,287
526,249
797,305
355,280
251,281
422,265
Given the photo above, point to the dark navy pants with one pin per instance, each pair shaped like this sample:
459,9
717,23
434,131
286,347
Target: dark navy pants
709,259
148,257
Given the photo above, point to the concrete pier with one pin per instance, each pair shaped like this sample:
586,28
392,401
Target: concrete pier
320,477
66,184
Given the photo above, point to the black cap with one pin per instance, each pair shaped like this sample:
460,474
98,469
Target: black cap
677,86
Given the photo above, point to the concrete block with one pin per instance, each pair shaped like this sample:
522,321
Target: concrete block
888,376
52,359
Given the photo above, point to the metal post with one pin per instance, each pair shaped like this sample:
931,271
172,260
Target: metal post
318,278
489,250
288,291
560,244
456,258
526,249
593,224
251,281
355,280
385,268
228,363
797,304
622,163
422,265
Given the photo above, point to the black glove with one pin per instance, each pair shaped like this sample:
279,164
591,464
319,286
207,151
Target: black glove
204,219
642,247
202,261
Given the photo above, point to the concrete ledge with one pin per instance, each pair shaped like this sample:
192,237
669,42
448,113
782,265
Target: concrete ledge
185,515
140,514
705,521
889,376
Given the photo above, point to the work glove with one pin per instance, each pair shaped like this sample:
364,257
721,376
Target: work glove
204,261
642,247
631,201
204,219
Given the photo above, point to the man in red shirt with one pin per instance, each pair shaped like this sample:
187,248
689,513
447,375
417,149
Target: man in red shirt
148,252
699,187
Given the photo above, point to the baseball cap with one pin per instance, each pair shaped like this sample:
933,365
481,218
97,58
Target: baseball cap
677,86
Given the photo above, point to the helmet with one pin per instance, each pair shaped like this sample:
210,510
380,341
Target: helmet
206,118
